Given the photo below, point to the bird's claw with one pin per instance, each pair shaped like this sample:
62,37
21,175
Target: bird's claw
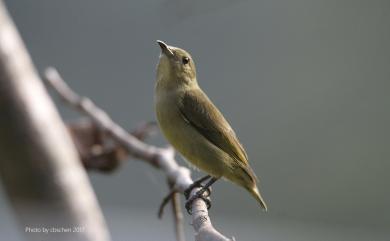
203,194
195,184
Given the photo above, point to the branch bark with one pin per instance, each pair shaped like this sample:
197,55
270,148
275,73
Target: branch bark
42,175
162,158
97,150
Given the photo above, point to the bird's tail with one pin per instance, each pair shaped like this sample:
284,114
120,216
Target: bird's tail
248,180
256,194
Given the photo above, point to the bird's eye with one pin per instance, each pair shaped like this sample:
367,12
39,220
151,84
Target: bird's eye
185,60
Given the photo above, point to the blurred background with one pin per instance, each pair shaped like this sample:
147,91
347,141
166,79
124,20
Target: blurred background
305,84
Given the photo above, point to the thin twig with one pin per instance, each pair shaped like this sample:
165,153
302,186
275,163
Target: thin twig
145,130
162,158
177,215
165,201
97,150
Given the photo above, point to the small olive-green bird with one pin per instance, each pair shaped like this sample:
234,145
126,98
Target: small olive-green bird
194,125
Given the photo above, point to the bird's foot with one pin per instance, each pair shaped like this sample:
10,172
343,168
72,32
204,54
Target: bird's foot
203,193
197,183
200,193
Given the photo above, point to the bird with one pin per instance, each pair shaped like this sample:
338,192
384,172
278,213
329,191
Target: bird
195,127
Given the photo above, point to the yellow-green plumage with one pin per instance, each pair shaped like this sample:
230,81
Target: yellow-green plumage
194,126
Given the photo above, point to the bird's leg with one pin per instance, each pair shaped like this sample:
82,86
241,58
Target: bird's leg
187,192
200,194
197,183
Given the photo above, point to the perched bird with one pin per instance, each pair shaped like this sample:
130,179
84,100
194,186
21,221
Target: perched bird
195,127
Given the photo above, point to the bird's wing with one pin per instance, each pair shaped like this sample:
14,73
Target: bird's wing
201,113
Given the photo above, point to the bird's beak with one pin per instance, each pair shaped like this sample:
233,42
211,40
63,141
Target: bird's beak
165,48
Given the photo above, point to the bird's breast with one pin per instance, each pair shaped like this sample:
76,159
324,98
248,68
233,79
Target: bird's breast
185,138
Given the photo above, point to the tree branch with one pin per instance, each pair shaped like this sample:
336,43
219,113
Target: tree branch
162,158
39,166
97,150
177,215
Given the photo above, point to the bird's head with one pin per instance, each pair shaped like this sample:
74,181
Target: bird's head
175,66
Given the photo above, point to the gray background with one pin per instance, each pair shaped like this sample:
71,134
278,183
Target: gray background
304,83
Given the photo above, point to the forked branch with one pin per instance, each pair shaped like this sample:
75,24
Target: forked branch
161,158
